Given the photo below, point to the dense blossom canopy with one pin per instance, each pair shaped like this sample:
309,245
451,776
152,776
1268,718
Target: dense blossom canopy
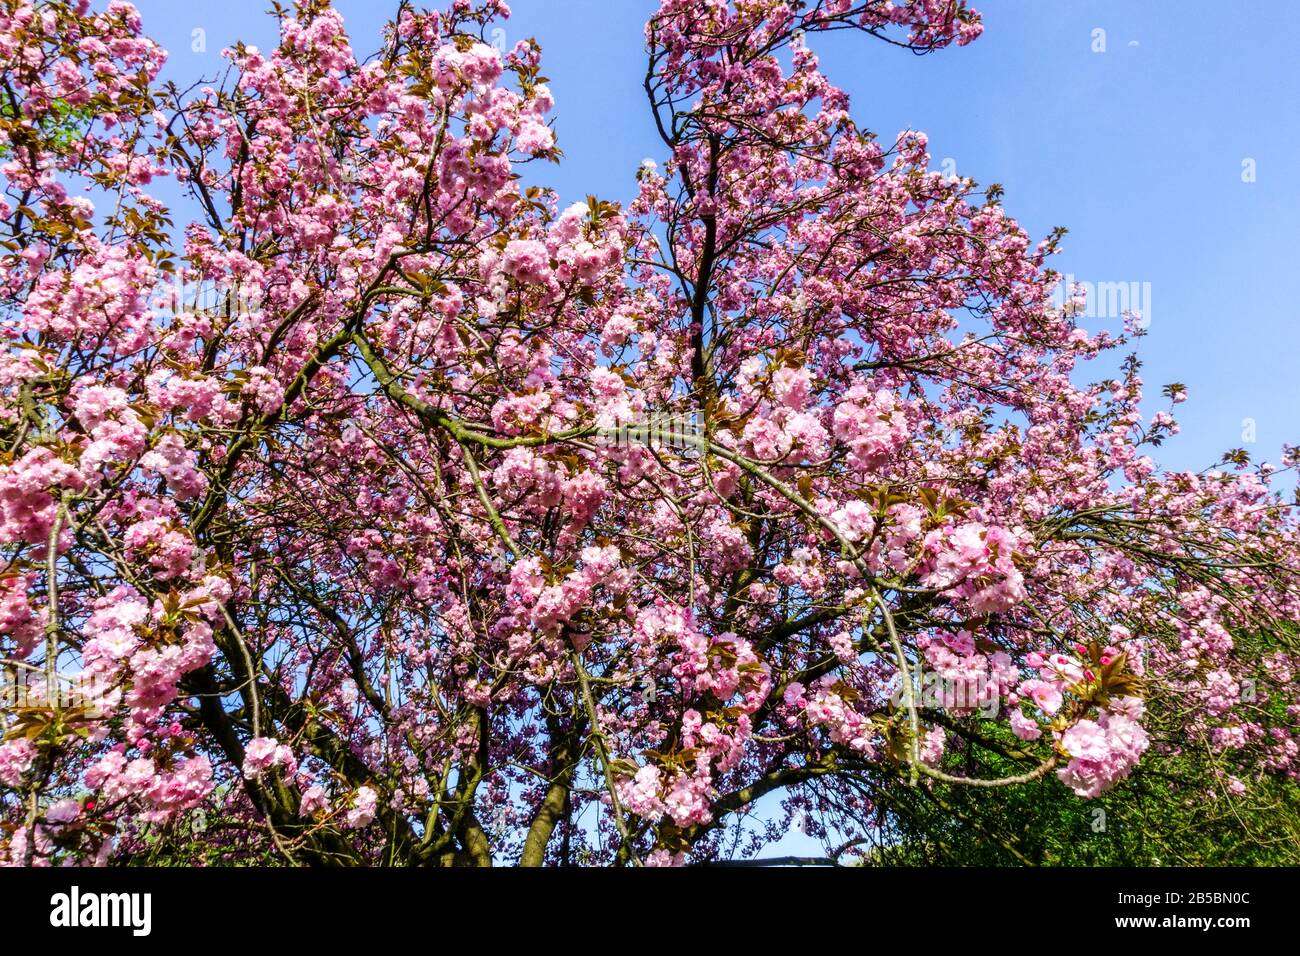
390,510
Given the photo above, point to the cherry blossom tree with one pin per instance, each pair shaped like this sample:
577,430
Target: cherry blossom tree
374,506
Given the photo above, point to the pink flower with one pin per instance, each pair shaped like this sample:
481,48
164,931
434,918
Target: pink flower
16,758
17,617
1024,727
534,137
526,260
793,386
616,332
932,746
1086,739
314,800
687,799
855,521
182,789
872,425
364,804
641,794
63,811
1102,751
176,464
664,858
1067,669
261,388
1046,696
265,753
794,695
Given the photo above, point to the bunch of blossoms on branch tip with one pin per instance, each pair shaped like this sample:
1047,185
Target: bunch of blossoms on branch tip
364,576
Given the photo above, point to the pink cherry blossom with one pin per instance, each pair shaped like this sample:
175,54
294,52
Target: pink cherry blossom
325,469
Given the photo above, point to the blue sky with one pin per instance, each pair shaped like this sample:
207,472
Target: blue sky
1138,150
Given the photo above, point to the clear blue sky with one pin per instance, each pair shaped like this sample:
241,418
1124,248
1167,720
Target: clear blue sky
1137,150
